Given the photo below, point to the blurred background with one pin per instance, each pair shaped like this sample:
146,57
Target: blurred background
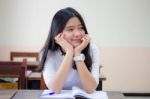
120,28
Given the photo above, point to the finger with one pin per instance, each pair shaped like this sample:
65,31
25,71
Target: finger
62,36
59,35
88,37
57,38
86,40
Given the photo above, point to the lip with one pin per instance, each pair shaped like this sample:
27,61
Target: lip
76,40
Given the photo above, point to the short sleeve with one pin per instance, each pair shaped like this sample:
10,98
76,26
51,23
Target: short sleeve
49,70
95,61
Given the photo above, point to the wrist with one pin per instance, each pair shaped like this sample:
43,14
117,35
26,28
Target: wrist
70,52
80,57
76,53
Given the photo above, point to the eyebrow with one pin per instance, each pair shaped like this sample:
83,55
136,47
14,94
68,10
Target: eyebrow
69,27
72,26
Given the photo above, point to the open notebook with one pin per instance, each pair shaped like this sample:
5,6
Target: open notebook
74,93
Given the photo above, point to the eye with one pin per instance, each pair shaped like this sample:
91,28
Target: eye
70,30
81,28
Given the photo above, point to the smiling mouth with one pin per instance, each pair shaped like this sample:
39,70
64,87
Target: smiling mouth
76,40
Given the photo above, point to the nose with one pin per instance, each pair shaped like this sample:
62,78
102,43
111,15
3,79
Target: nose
78,33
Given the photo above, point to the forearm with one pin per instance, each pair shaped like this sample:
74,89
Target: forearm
87,79
60,76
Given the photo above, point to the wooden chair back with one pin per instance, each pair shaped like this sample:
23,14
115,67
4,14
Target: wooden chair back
14,55
14,69
32,65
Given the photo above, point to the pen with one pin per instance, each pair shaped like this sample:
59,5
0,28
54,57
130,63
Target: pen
51,93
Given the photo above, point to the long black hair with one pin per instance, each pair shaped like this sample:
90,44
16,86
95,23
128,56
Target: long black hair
57,26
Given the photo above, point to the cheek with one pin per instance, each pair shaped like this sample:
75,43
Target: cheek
67,36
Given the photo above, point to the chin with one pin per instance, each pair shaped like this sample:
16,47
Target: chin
75,45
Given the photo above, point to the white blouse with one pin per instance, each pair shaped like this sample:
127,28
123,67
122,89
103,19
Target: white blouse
54,59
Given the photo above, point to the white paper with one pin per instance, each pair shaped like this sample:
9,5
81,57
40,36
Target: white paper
64,94
69,94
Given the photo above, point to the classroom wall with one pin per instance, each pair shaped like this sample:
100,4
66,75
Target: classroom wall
126,69
120,28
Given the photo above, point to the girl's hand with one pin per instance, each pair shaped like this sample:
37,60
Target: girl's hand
85,41
59,39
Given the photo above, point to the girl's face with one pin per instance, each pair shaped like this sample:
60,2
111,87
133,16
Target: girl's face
73,32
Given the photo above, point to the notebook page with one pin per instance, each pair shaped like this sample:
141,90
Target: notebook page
97,94
79,92
63,95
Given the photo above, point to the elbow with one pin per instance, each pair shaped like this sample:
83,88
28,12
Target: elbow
90,91
56,90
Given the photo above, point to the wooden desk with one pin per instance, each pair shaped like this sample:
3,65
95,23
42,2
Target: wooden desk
14,69
32,65
34,80
100,85
35,76
35,94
